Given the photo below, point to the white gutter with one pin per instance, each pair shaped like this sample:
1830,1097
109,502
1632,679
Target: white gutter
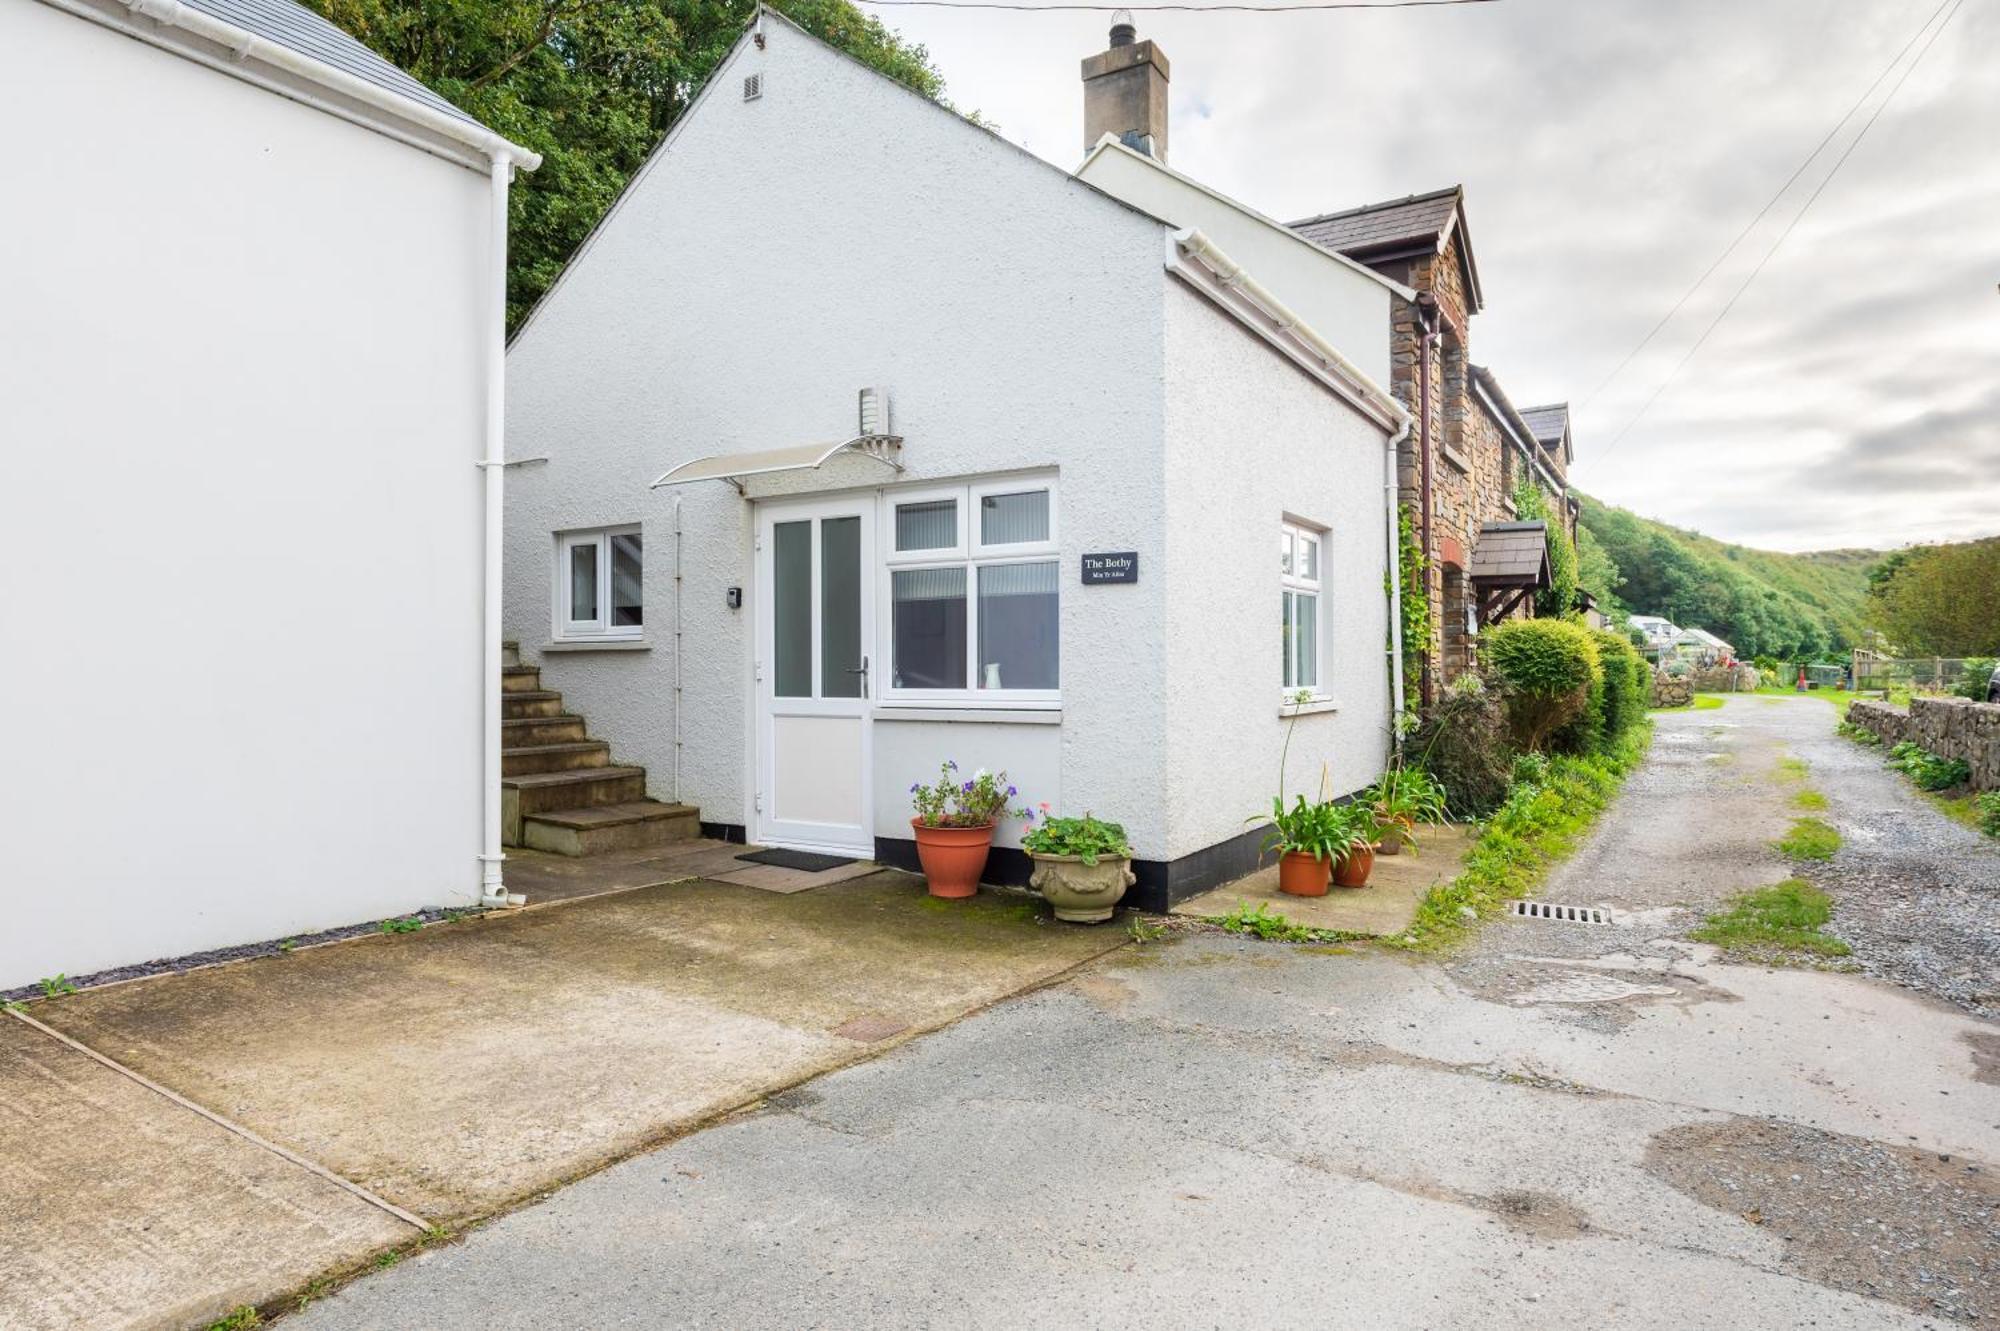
492,890
240,46
1375,402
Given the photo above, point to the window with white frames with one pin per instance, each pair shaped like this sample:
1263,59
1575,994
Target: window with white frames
599,584
1302,551
973,593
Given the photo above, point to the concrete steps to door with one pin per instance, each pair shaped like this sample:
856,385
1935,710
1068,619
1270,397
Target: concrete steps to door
560,790
612,827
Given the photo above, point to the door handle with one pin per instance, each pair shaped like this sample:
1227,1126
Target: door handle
861,670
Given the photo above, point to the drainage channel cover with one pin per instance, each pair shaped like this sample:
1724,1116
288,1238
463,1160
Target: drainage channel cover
1549,910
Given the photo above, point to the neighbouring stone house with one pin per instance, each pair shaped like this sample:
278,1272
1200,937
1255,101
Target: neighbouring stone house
1472,447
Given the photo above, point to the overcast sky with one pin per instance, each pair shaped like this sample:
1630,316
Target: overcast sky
1609,150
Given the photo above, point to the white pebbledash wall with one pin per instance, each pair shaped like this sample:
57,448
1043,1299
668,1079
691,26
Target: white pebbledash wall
841,231
240,524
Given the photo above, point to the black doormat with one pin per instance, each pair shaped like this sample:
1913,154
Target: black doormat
808,860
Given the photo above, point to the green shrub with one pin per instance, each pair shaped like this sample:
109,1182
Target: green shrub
1628,685
1859,734
1927,769
1461,739
1975,673
1546,669
1988,806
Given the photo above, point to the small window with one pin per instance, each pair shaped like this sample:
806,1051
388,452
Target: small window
975,594
1300,550
600,584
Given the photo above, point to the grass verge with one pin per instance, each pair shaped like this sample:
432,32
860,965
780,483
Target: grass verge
1784,918
1810,839
1538,825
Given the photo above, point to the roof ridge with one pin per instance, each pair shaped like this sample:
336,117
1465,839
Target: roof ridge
1424,197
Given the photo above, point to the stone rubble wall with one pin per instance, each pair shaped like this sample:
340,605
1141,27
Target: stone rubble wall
1725,679
1672,690
1948,727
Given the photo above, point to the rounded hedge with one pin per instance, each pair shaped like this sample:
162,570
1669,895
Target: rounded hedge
1548,669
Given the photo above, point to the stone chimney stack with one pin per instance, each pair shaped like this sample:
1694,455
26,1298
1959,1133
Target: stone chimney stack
1125,92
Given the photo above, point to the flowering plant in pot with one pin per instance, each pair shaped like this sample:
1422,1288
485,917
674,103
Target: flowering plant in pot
954,826
1303,836
1403,798
1082,866
1351,829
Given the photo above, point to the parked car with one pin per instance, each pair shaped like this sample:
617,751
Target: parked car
1993,685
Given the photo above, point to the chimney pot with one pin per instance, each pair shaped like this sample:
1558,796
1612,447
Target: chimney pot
1123,33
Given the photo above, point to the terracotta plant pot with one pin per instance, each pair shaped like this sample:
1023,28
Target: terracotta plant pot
1392,840
1081,893
953,857
1302,875
1353,869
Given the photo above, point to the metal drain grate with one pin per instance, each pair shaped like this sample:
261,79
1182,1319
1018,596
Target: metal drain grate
1549,910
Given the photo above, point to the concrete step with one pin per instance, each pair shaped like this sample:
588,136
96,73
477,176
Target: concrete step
510,652
586,788
538,702
569,756
611,827
520,679
532,730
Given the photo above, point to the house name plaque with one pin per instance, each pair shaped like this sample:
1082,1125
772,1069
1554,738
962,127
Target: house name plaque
1111,566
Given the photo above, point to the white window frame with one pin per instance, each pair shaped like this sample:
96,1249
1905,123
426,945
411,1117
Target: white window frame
970,553
564,628
1294,529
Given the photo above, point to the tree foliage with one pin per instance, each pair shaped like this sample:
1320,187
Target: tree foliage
1939,600
591,85
1792,607
1559,597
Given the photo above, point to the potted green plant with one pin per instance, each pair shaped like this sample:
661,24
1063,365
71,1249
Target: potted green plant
1351,829
1306,852
1403,798
954,826
1082,865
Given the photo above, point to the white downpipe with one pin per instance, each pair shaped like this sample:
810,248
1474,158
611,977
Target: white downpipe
244,46
1392,490
677,648
492,890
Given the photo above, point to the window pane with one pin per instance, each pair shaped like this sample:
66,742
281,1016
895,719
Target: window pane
929,526
627,581
1285,552
1287,640
1309,557
1306,632
1014,519
1018,623
840,607
791,610
583,582
928,628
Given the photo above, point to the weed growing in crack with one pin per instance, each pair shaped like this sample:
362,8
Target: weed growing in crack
1785,917
1810,839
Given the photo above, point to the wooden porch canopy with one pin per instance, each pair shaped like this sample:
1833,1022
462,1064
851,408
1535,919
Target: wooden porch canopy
1510,562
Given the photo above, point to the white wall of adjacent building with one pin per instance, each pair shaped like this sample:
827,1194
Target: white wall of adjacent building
239,597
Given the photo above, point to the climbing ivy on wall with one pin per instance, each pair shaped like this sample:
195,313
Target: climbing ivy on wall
1559,597
1416,601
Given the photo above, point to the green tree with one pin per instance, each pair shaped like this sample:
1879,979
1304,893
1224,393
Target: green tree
1597,573
1559,597
591,85
1941,600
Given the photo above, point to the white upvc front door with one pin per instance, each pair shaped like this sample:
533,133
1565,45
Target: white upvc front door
814,680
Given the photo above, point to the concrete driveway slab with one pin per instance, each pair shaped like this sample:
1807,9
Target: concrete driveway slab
456,1070
123,1209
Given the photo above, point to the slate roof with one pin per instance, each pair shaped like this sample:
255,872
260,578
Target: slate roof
1382,230
1416,218
1512,554
1548,422
286,24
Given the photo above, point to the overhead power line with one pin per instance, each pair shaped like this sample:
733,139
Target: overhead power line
1765,211
1797,217
1308,6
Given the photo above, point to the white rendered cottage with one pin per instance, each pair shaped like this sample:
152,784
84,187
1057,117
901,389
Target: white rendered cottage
963,459
252,340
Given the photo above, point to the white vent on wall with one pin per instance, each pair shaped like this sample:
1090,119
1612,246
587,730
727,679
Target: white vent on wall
753,87
874,403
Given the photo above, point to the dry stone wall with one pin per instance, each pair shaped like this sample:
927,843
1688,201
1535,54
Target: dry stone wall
1948,727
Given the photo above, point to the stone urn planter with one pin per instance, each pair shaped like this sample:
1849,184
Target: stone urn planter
1303,875
953,857
1081,893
